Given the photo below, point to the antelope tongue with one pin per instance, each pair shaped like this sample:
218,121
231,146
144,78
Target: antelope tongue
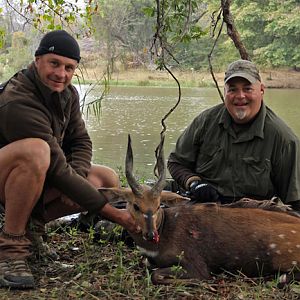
155,237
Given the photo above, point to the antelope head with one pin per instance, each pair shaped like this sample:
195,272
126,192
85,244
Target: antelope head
145,205
143,201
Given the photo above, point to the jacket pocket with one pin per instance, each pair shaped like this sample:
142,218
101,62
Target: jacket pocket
255,176
209,160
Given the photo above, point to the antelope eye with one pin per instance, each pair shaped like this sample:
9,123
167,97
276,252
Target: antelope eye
136,208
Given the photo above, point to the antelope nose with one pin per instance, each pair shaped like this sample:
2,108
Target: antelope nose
153,236
150,236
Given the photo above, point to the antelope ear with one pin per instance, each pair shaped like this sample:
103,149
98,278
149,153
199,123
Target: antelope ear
115,195
173,199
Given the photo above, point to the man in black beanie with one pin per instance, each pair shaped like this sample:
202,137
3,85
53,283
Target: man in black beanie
45,155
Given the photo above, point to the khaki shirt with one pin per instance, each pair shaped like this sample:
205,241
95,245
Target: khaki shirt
259,160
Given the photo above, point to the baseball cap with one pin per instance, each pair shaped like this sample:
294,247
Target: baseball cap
242,68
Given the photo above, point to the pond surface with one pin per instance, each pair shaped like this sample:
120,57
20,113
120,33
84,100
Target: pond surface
139,110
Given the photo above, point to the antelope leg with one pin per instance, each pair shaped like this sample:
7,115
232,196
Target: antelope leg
185,273
286,279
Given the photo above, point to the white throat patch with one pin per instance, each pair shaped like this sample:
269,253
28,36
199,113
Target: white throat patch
148,253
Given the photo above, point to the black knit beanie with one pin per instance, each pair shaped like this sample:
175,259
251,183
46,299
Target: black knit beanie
59,42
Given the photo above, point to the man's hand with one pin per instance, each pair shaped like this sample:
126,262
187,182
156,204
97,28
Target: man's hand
121,217
203,192
128,222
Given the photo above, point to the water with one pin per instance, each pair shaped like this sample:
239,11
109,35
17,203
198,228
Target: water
139,110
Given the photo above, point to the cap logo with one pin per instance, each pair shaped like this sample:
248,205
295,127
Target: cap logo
51,48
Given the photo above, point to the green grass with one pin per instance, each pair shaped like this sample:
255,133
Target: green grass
156,83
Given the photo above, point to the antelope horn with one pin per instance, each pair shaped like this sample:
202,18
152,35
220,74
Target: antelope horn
135,186
160,169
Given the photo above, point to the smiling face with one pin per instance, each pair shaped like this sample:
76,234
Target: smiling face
55,71
243,99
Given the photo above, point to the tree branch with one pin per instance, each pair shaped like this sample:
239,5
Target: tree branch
232,31
210,55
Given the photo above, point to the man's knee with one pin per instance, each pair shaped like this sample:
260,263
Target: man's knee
30,154
36,154
103,176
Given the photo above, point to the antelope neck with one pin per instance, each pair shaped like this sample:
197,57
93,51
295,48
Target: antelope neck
160,220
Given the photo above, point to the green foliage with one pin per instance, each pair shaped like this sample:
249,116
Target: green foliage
178,269
17,56
177,24
2,37
46,15
149,11
125,30
52,14
270,30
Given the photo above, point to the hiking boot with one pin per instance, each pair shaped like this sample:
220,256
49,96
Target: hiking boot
13,246
37,235
15,274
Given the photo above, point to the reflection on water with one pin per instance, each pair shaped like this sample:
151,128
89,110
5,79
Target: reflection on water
139,110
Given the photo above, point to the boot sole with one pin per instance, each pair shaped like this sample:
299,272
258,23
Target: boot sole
26,284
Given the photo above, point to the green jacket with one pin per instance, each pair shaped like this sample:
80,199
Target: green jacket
259,160
29,109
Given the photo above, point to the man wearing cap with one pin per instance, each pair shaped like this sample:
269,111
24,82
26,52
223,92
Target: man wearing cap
45,155
239,148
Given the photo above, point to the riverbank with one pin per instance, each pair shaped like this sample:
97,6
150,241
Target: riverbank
285,79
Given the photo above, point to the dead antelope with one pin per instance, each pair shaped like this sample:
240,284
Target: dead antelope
207,238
